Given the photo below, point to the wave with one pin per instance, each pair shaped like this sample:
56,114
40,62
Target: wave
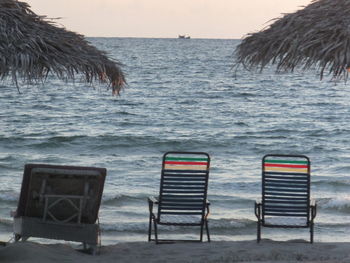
224,226
121,198
12,139
149,137
251,142
8,196
231,223
125,113
215,199
339,182
7,157
341,203
7,167
216,225
106,141
125,227
6,222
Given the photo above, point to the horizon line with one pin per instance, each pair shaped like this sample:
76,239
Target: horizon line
163,37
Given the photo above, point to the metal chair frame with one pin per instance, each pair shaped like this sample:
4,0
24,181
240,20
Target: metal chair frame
182,192
286,194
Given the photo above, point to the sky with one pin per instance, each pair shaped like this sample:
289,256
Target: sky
165,18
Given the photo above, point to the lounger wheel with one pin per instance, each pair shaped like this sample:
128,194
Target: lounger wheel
17,237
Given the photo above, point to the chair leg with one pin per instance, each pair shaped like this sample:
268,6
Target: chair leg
94,250
207,229
150,228
312,233
24,238
258,232
155,231
201,234
17,237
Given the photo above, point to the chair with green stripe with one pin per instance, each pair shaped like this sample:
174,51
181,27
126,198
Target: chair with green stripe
182,199
286,201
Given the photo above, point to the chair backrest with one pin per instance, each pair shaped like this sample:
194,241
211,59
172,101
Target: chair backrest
65,194
184,184
286,186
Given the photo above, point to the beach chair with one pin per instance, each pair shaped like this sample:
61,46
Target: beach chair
60,202
286,199
182,199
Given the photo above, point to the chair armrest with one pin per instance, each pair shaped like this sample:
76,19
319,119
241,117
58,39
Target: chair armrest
312,202
257,209
207,204
313,208
153,199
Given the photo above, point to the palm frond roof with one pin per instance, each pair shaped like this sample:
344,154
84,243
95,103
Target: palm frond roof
31,47
315,36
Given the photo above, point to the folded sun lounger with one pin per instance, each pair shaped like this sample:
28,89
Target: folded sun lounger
60,202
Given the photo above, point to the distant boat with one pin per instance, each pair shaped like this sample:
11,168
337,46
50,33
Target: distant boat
184,37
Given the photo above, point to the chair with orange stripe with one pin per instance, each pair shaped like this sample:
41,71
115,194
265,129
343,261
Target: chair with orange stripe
286,199
182,199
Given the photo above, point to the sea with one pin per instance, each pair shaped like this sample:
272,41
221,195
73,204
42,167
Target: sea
182,95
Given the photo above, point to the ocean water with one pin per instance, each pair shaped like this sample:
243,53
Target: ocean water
182,95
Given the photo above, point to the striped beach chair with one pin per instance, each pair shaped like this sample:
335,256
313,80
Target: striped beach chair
182,199
286,199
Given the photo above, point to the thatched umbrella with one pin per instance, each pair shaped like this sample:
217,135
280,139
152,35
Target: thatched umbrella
31,47
316,36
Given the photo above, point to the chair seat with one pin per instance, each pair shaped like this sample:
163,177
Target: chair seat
285,221
180,219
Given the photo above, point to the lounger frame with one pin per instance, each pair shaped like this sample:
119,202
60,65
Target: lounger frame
60,202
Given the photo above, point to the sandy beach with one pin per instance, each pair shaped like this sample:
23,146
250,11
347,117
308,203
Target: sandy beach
219,251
